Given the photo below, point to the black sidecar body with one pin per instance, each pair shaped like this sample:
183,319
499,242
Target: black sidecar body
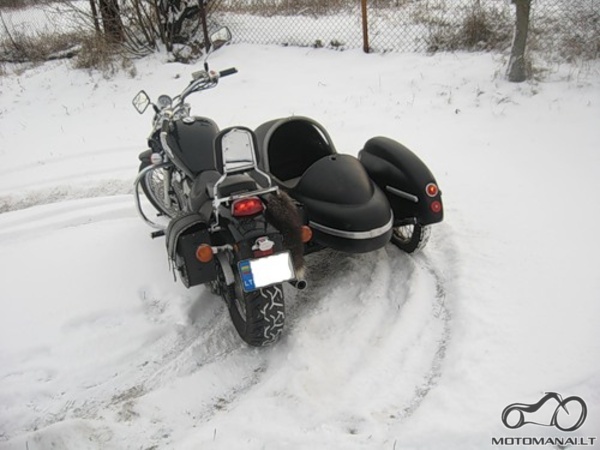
351,204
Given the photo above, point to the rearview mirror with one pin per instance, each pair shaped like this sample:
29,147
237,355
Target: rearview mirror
141,102
220,37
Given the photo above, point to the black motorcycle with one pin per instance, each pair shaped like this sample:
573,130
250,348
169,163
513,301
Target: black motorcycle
239,208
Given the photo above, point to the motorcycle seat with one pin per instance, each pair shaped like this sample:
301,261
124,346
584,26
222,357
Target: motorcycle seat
237,183
203,188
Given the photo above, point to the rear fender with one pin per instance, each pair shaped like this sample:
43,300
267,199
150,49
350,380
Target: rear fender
404,178
247,230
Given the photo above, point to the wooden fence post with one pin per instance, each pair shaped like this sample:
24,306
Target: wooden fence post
365,26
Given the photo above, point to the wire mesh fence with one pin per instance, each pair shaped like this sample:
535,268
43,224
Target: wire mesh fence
38,18
559,28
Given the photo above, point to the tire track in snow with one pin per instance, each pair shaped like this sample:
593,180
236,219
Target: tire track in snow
47,218
442,314
259,365
54,194
58,178
205,339
61,160
361,313
42,223
364,343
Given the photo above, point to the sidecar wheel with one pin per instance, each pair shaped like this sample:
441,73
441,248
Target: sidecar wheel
258,316
411,238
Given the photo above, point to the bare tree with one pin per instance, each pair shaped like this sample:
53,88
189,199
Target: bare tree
517,65
111,20
179,19
94,11
170,22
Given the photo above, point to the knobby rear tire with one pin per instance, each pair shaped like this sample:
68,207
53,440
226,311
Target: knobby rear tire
258,316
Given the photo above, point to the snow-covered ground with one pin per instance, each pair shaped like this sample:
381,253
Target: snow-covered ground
101,349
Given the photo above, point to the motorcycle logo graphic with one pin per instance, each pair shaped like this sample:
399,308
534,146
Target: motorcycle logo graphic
561,421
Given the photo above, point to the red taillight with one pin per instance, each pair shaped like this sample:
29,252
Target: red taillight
247,207
432,189
436,206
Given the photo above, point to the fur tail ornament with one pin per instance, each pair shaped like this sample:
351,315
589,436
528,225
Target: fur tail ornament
283,214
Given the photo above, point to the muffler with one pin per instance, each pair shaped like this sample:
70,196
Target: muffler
299,284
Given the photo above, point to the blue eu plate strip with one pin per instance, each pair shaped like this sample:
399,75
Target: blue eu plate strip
247,277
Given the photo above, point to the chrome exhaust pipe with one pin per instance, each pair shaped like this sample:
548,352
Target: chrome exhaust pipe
299,284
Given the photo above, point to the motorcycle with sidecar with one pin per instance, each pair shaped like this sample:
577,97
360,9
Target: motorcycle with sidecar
239,207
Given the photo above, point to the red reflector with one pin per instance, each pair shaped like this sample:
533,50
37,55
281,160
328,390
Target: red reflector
306,233
436,206
247,207
204,253
432,190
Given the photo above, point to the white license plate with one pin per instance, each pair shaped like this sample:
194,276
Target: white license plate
261,272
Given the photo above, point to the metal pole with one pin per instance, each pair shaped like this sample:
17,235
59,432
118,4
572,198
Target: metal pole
365,26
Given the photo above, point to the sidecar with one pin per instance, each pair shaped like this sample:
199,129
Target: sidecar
352,204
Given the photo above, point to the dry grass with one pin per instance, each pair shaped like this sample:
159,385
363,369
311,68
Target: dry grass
285,7
573,36
479,30
19,47
97,54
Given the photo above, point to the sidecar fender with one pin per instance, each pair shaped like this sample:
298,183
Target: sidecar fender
405,179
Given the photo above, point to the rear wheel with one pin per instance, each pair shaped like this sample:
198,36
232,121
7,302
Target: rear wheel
258,316
411,238
153,186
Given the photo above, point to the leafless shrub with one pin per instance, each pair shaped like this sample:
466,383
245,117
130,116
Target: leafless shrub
480,29
573,35
102,55
95,53
19,47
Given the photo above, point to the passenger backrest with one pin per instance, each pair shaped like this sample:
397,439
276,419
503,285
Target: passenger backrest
294,146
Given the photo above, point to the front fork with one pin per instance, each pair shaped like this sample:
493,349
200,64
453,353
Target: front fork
167,188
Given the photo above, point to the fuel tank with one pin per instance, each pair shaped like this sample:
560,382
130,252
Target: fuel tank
344,208
191,140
